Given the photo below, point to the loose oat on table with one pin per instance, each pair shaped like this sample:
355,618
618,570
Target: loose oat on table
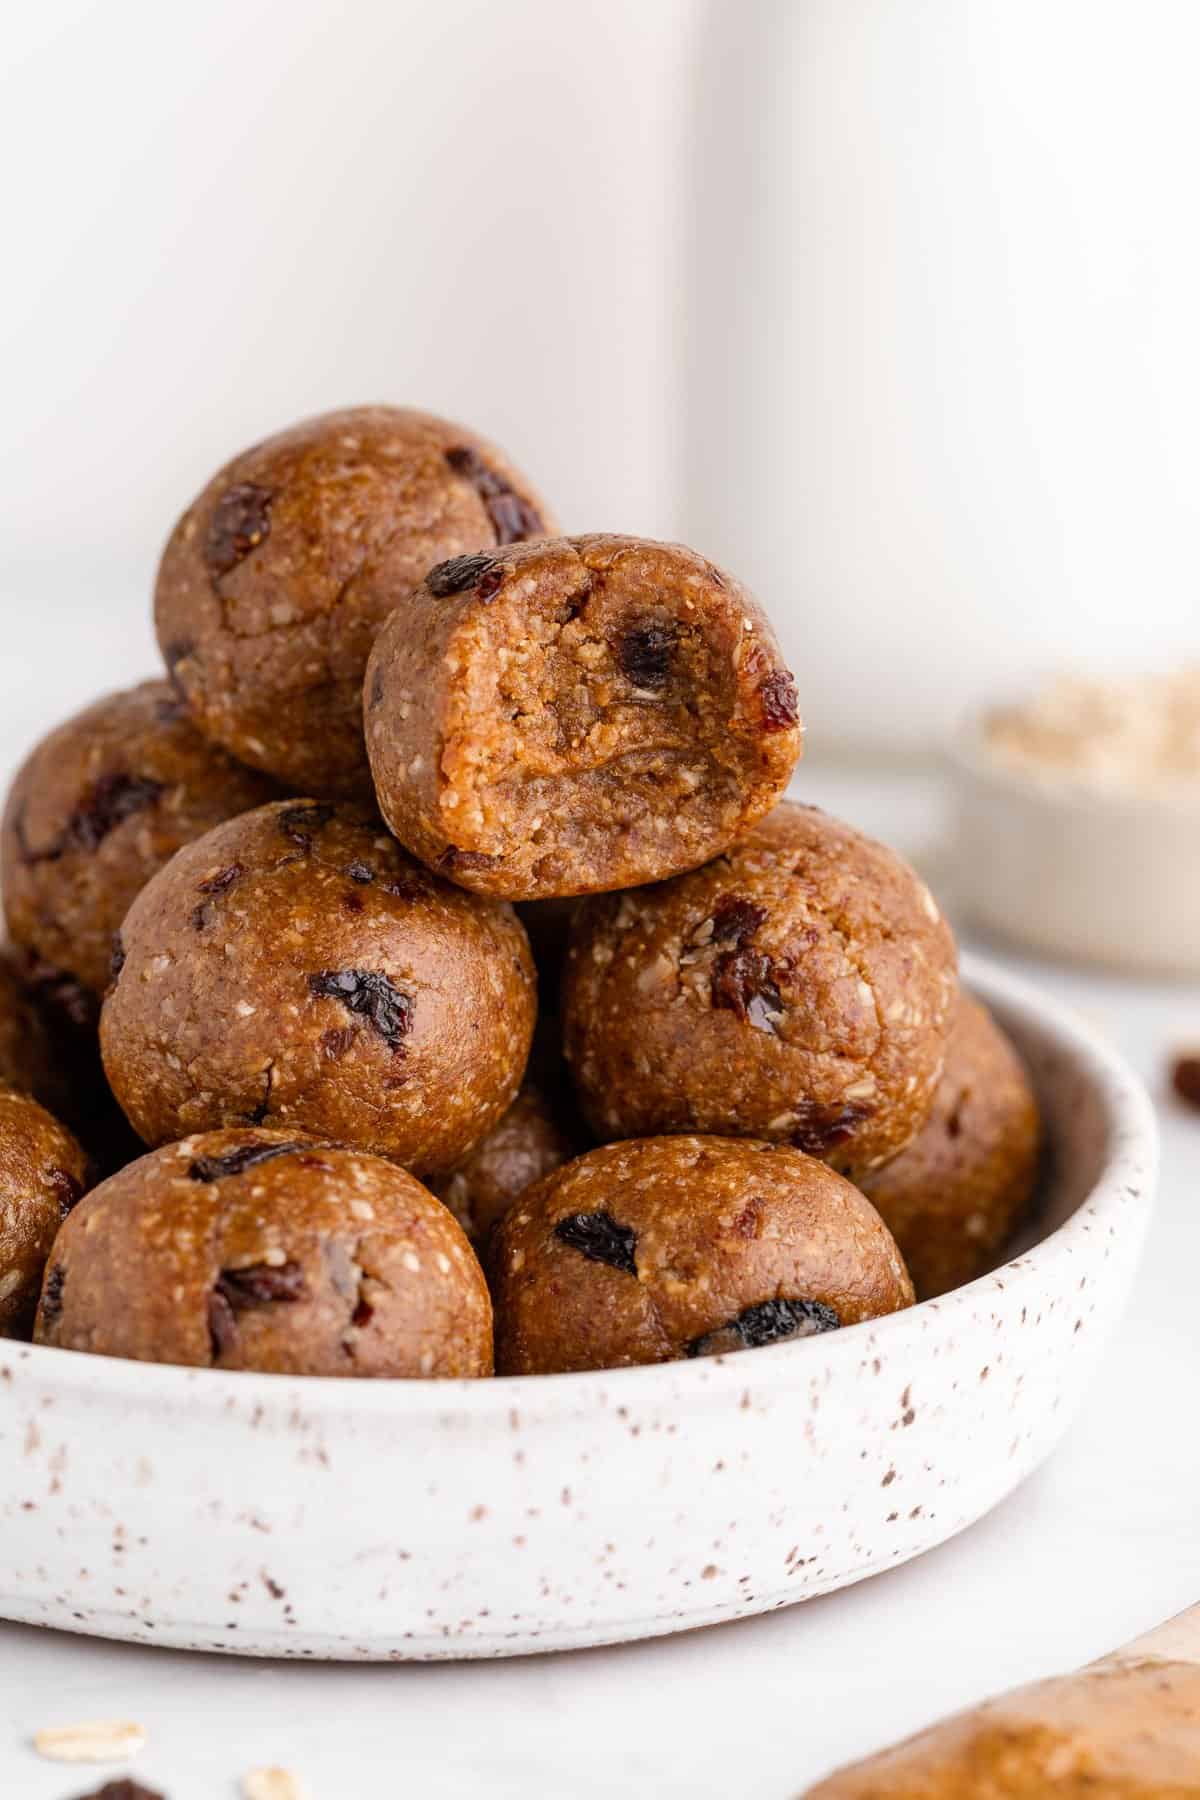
98,808
272,1251
43,1173
664,1248
958,1192
92,1741
576,715
801,988
297,968
273,1784
277,578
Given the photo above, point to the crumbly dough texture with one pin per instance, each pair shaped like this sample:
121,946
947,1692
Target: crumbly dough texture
577,715
98,808
277,578
43,1173
664,1248
966,1181
1115,1732
273,1251
296,968
800,988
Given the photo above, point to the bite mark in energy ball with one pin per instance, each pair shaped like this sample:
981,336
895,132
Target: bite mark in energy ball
277,578
285,1255
800,988
966,1181
332,985
99,807
43,1172
576,715
665,1248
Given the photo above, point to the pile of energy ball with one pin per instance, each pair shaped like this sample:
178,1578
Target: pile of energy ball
283,917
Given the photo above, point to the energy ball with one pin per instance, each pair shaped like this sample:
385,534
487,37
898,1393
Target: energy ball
264,1250
534,1137
801,989
97,809
964,1184
666,1248
277,578
295,968
43,1172
577,715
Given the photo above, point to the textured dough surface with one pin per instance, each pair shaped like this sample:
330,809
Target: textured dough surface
296,968
577,715
662,1248
43,1172
273,1251
800,988
97,809
965,1182
276,579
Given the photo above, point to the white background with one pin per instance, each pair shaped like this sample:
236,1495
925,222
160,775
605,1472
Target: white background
890,304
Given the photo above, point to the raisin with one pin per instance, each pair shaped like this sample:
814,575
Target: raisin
513,519
644,655
601,1239
123,1789
743,983
67,1188
458,573
376,689
736,919
110,801
779,701
70,1004
1185,1078
261,1284
770,1322
360,872
116,958
823,1128
334,1044
490,583
297,823
223,879
454,858
240,522
234,1162
363,1313
370,995
52,1294
222,1326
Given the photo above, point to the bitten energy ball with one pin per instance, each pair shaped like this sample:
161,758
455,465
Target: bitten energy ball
963,1185
664,1248
263,1250
43,1172
576,715
98,808
801,988
296,968
277,578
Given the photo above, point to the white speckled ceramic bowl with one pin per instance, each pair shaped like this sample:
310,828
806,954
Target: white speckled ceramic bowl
447,1519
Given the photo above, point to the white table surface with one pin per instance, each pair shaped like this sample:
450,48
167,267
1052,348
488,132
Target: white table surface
1100,1544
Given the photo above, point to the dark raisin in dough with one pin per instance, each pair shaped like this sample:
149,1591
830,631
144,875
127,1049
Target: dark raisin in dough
277,578
965,1183
295,968
588,713
43,1172
800,988
664,1248
263,1250
99,807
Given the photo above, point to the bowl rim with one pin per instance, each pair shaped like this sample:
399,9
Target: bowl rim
966,754
1128,1172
